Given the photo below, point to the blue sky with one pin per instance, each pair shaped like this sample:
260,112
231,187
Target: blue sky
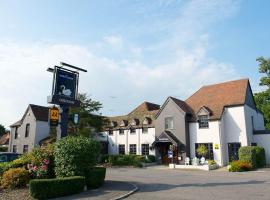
134,50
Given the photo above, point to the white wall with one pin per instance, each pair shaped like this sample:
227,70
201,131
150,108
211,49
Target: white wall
263,140
127,138
42,131
205,135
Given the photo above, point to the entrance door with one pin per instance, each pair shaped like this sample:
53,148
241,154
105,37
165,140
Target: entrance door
233,151
163,150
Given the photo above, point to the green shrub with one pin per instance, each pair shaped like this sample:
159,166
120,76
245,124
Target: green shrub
240,166
58,187
104,158
248,154
3,149
126,160
211,162
15,178
151,158
95,177
260,156
74,155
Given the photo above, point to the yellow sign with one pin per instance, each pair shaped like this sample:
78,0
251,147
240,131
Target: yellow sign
54,114
216,146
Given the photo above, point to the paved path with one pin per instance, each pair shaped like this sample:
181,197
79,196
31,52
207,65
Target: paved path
162,183
109,191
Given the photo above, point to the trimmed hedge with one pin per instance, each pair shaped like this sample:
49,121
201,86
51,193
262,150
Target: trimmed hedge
248,154
58,187
3,149
260,156
95,177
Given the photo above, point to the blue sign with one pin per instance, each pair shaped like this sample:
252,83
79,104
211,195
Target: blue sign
66,84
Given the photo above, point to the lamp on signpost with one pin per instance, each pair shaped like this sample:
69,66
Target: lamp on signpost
64,92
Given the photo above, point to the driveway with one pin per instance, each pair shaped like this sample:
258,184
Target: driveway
162,183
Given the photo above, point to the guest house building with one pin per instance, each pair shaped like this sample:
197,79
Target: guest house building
222,117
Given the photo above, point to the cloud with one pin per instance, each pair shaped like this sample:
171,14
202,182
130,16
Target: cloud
177,65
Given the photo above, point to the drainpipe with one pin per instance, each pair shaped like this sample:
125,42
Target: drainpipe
221,144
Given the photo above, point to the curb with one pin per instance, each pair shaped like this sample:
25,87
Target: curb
127,194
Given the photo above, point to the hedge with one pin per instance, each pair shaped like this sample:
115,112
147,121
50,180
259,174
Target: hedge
95,177
248,154
74,155
58,187
260,156
3,149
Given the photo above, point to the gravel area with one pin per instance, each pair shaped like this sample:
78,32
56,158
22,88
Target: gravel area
21,194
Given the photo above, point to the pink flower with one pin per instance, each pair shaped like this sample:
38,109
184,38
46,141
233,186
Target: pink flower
44,167
35,168
46,161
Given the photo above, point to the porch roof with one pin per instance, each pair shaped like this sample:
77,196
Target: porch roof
167,137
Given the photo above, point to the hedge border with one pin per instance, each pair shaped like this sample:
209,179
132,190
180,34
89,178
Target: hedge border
58,187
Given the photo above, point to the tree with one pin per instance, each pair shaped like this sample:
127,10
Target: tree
262,99
89,121
2,130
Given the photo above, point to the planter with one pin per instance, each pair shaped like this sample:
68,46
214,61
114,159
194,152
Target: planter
171,166
214,166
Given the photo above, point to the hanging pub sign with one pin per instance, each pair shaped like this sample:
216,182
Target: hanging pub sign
54,116
65,87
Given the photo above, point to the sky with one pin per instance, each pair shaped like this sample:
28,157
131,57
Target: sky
134,50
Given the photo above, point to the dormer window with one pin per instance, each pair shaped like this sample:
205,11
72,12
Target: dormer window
132,130
147,121
203,121
124,123
110,132
135,122
113,124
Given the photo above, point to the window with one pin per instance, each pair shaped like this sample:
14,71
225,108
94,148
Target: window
203,121
209,146
25,148
144,130
14,149
253,144
233,151
16,133
121,131
145,149
110,132
27,130
132,130
121,149
168,123
132,149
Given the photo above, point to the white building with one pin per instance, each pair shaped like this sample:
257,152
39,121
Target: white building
133,133
223,117
30,130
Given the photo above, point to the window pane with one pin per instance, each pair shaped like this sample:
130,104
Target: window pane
145,149
132,149
168,123
144,130
203,121
121,149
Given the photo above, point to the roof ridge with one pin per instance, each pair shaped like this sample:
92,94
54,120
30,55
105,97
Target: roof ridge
226,82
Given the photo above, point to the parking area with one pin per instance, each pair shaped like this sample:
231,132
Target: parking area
162,183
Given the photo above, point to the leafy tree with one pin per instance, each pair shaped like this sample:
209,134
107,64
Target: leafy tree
262,99
89,120
2,130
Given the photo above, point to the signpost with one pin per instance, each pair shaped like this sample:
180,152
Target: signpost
64,93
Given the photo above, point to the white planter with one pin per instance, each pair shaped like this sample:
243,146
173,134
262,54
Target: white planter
171,166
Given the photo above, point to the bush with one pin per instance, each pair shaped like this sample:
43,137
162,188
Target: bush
126,160
240,166
104,158
3,149
95,177
211,162
260,156
15,178
75,155
51,188
151,158
248,154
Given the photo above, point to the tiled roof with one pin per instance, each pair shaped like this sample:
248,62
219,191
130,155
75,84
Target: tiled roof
4,140
216,97
41,113
145,110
